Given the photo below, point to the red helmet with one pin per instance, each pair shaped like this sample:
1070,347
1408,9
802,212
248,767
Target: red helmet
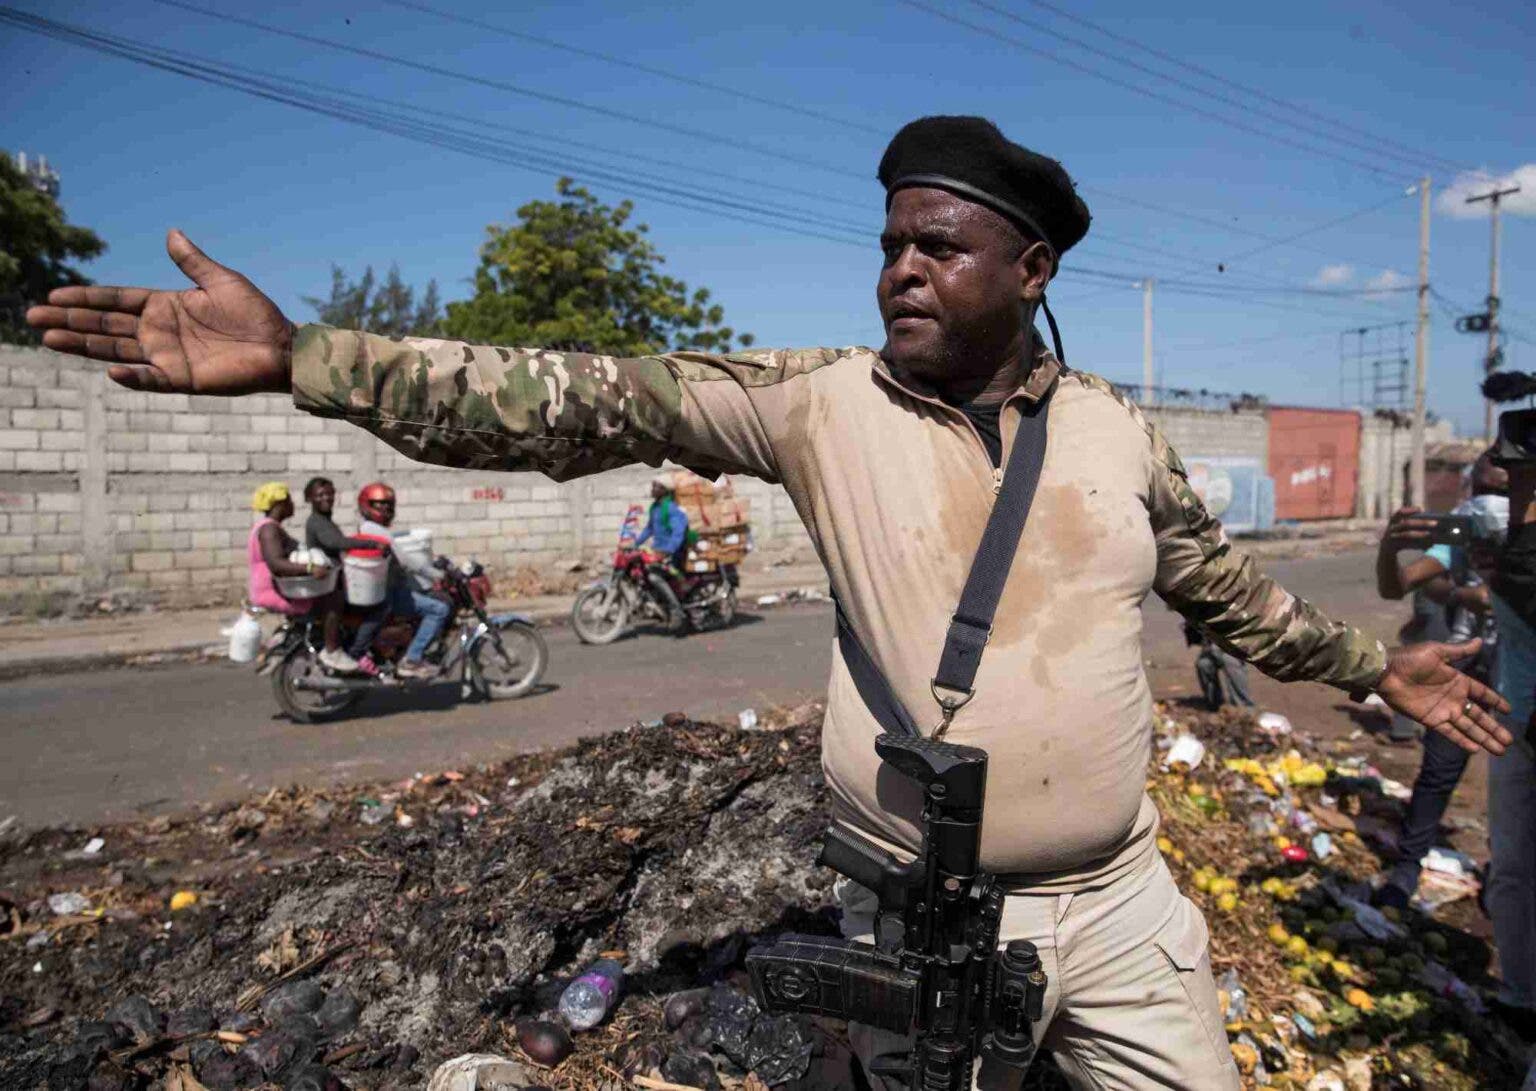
376,500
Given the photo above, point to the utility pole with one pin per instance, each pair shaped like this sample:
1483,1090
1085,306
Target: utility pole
1420,353
1148,380
1491,364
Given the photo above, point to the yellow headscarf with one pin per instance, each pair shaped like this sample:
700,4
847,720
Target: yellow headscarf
268,496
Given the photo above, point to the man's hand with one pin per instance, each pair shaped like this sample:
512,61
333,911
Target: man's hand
1409,528
1421,684
222,337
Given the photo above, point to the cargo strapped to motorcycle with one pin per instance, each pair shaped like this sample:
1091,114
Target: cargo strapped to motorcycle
971,625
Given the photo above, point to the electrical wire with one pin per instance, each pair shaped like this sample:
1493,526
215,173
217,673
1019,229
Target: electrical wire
755,213
1379,141
544,96
514,89
1375,147
1316,228
1210,115
337,106
650,70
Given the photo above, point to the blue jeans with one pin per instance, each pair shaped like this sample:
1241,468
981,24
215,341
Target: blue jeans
1511,893
1444,762
432,610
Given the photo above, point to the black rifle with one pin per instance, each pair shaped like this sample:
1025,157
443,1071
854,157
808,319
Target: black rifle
935,972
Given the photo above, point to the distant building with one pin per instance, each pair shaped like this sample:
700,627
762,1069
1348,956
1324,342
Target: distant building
39,173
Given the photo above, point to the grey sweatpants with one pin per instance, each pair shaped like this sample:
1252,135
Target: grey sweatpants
1130,1003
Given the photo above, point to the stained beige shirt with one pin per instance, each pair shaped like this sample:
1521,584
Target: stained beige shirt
895,489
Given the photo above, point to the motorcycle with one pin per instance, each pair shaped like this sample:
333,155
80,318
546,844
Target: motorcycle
637,590
491,655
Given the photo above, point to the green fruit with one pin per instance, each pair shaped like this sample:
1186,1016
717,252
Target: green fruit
1329,944
1435,943
1373,956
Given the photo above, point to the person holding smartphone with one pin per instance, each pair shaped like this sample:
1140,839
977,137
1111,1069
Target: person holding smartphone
1451,602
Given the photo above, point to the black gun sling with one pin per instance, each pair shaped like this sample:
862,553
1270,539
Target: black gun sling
971,625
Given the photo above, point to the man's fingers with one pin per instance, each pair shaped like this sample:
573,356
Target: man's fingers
1490,726
140,377
97,346
101,297
84,320
198,266
1459,737
1450,653
1477,736
1486,696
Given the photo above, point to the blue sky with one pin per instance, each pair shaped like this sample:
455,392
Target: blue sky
281,193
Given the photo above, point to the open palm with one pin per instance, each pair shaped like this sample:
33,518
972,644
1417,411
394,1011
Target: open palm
221,337
1421,683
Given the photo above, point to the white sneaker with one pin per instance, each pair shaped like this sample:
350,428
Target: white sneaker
339,661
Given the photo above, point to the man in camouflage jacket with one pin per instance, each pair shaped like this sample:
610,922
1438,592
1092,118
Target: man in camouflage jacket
883,457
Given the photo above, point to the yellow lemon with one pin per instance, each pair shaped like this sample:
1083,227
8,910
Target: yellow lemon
1359,998
182,899
1297,947
1164,845
1202,880
1278,935
1227,902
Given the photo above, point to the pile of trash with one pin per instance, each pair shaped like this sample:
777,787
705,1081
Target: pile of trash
1278,838
578,919
362,937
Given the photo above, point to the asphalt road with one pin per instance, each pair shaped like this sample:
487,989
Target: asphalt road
99,746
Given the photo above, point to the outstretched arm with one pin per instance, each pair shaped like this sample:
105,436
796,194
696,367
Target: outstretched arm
221,337
1287,638
444,402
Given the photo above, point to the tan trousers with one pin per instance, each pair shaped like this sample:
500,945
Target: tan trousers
1131,1002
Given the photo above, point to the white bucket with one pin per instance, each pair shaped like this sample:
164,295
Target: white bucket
367,579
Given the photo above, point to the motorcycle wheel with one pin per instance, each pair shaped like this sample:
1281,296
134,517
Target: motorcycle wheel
725,610
307,706
600,615
496,676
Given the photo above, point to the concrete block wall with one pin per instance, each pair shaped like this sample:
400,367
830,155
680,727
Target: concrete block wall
1213,433
106,489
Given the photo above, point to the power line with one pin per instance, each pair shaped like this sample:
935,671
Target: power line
650,70
1148,92
1376,138
755,213
1375,147
515,89
1315,229
759,214
544,96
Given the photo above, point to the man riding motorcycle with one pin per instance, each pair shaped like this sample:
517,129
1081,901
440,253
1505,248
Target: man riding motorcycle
410,591
666,528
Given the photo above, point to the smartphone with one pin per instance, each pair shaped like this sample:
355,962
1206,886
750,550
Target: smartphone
1453,530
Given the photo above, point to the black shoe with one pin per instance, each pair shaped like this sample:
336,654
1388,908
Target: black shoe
1520,1020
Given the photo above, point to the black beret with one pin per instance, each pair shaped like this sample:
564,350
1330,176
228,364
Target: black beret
970,157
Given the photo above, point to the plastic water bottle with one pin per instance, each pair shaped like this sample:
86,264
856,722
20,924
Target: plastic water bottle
592,996
244,638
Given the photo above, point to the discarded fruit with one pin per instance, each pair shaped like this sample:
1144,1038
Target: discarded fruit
183,899
547,1043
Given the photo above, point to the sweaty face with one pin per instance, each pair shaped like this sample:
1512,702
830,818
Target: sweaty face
951,287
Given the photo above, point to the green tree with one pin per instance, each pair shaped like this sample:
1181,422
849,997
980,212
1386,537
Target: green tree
573,271
36,246
390,308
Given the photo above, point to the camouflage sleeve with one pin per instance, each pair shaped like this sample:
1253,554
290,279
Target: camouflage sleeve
563,414
1246,612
